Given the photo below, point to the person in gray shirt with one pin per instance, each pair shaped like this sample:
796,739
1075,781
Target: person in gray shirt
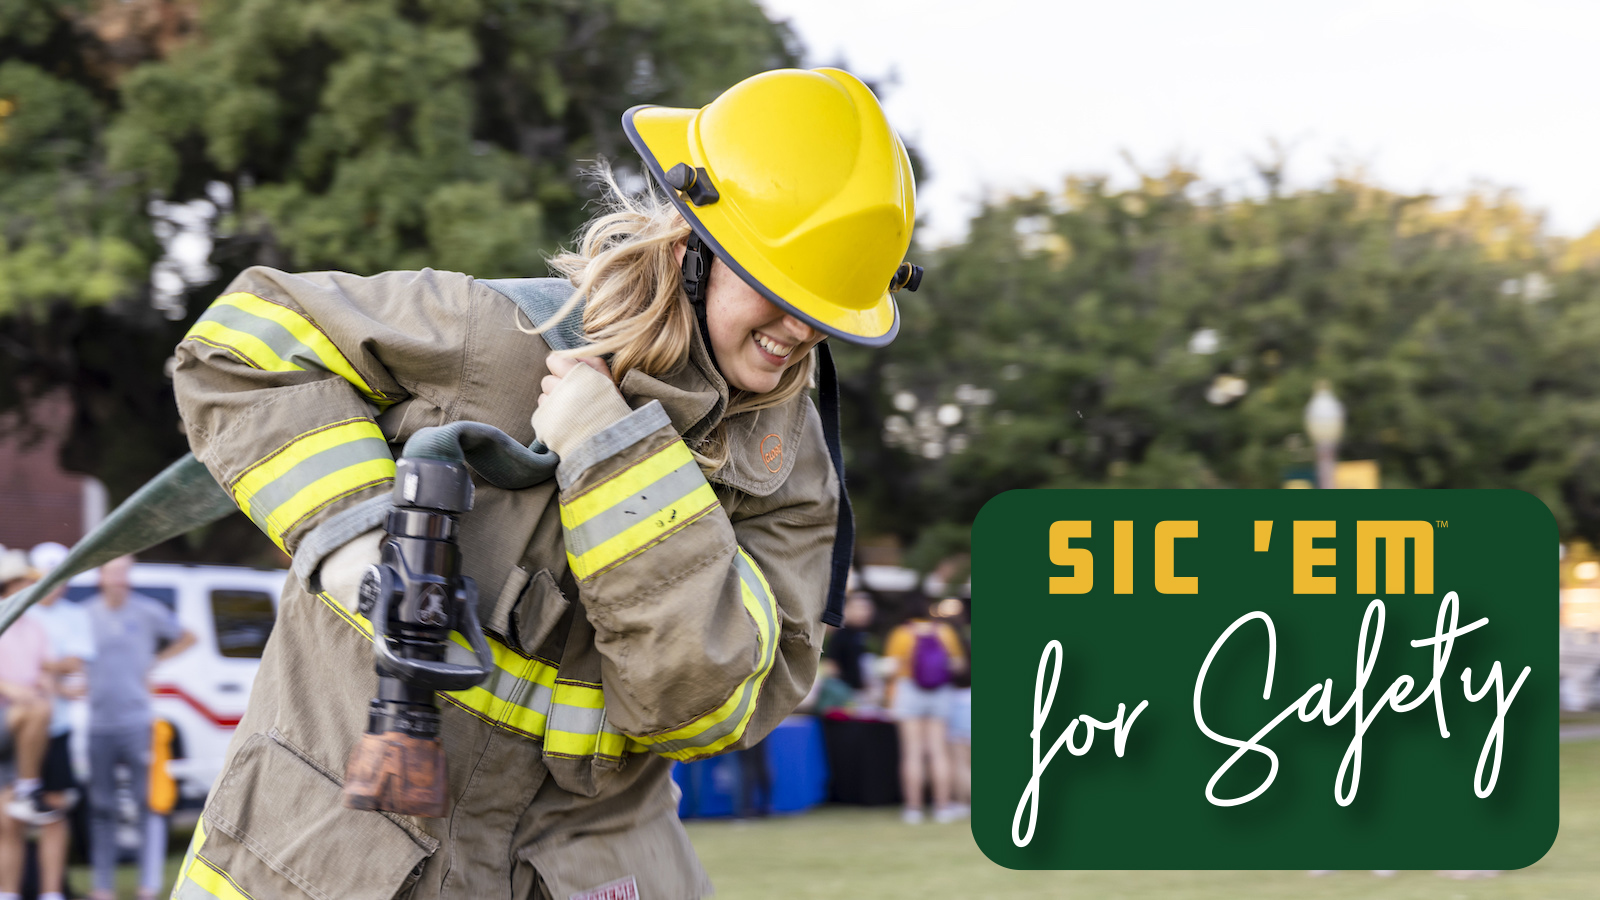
132,633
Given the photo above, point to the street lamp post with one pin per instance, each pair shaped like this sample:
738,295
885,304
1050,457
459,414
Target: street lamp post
1325,425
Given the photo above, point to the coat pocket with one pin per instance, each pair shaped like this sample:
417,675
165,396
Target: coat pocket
277,827
540,609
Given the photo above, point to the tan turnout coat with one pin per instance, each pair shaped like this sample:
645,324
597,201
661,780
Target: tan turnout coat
638,612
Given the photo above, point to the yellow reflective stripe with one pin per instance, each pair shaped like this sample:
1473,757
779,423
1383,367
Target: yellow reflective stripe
209,877
479,699
672,516
195,840
498,711
354,620
490,701
486,702
580,696
306,333
247,347
306,484
627,483
525,678
297,451
199,877
601,738
603,743
728,721
327,489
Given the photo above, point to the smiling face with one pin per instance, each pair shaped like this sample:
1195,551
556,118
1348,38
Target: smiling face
754,341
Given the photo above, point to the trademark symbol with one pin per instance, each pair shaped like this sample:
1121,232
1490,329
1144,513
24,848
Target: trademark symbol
1438,523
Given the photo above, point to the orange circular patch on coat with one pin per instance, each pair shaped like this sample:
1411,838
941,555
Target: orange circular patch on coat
772,452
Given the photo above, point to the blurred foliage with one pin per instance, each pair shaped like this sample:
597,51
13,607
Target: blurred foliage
1164,335
1167,336
362,135
381,134
70,231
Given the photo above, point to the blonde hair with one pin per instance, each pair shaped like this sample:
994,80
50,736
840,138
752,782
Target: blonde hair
626,265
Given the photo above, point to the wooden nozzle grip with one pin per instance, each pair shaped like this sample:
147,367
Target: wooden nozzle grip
397,773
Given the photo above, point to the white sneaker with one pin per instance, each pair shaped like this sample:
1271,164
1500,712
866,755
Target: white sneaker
32,809
947,814
911,816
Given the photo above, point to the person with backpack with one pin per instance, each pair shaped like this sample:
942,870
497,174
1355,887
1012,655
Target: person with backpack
661,598
927,654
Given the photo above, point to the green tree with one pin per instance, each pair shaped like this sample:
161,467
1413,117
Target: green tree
71,231
1166,336
362,135
383,134
76,244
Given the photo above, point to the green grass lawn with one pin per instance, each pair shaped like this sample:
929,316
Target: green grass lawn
842,853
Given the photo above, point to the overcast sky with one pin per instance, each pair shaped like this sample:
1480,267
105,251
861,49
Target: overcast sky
1424,95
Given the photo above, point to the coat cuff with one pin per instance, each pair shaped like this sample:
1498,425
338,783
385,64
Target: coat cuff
338,530
611,440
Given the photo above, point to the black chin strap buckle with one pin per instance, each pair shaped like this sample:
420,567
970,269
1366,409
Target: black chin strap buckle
697,262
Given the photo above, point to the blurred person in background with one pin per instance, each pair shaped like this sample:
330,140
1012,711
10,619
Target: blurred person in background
926,653
72,644
25,692
848,644
132,634
958,728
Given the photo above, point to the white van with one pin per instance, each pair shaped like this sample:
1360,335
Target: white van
203,690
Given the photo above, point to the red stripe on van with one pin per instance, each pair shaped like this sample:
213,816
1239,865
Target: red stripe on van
172,690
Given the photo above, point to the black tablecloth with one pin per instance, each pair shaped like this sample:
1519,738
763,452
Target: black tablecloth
863,762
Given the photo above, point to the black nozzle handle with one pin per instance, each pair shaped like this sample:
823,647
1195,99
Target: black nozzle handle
425,673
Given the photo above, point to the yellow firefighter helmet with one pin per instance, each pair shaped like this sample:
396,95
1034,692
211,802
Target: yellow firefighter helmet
796,181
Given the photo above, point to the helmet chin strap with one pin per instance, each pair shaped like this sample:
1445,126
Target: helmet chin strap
697,261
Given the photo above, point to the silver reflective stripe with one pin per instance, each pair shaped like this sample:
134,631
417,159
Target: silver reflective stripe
505,684
278,491
576,719
635,509
277,338
521,692
529,695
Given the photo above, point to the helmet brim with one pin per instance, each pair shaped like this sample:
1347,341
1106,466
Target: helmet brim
662,133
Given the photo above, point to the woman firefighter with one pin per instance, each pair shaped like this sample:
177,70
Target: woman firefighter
660,598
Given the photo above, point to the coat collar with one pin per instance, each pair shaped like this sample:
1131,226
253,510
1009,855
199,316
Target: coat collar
762,444
694,394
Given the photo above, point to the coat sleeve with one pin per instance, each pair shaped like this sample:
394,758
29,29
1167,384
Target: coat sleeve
281,380
708,623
